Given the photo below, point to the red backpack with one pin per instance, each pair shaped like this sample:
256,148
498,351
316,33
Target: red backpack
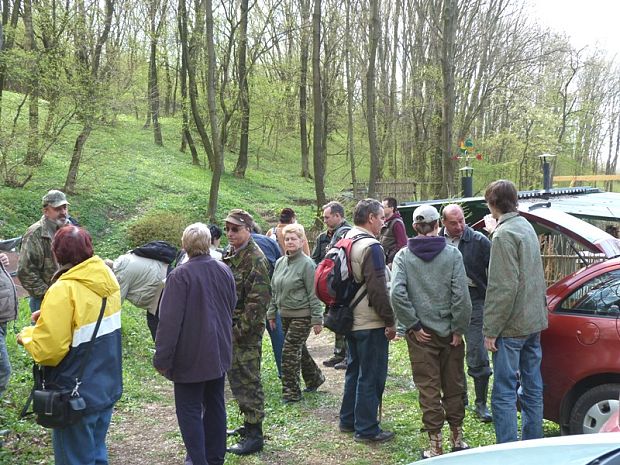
334,284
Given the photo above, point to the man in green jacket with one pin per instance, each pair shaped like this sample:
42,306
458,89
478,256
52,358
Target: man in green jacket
515,314
36,264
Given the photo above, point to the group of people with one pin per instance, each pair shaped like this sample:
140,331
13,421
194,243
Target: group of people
208,315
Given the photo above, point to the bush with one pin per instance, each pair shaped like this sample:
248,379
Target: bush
157,226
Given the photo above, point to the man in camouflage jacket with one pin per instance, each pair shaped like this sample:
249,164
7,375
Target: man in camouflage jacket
36,264
251,271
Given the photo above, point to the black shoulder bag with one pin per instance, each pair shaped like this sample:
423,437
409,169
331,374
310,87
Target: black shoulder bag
60,407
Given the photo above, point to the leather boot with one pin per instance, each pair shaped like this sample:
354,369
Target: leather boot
436,445
456,439
481,386
237,431
251,443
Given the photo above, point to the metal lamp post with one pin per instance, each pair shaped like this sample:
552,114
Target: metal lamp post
545,158
467,181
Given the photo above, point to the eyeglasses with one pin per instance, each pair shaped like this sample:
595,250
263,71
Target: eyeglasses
234,229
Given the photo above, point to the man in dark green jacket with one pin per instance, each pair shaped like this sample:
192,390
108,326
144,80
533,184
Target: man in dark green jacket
36,264
515,314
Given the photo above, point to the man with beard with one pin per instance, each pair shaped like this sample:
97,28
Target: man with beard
37,264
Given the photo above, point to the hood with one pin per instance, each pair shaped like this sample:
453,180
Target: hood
426,248
394,216
95,275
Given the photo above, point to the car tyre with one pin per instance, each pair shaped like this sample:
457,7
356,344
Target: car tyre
593,409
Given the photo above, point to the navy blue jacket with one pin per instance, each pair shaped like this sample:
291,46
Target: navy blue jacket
476,251
194,335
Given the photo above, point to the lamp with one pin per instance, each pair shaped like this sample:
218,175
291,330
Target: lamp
467,181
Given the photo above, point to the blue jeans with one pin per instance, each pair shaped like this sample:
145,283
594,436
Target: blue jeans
277,341
35,303
364,381
84,442
5,363
517,360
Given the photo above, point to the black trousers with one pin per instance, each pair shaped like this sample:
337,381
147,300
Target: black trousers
201,413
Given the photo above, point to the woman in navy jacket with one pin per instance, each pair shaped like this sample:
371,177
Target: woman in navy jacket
194,345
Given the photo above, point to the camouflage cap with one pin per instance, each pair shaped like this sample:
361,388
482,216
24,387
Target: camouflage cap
54,198
240,218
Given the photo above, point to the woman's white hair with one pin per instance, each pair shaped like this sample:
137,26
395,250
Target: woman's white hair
196,239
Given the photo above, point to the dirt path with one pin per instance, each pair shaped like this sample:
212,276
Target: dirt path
150,435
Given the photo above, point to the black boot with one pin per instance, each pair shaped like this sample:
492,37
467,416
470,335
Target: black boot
481,386
237,431
251,443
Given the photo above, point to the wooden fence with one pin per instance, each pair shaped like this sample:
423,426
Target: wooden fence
400,189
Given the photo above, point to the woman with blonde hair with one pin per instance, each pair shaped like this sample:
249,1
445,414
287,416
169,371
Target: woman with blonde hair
293,297
193,347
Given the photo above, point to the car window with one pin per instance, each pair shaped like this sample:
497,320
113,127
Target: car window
599,296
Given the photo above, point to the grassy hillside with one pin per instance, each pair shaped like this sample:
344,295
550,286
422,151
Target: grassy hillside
124,176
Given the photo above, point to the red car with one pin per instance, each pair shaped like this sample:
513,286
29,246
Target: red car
581,346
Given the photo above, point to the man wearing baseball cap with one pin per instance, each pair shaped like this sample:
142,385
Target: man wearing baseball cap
251,272
37,264
430,298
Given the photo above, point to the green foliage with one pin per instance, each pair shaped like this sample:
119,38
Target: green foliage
165,226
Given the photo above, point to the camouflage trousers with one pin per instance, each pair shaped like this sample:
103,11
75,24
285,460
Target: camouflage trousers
340,345
245,382
295,357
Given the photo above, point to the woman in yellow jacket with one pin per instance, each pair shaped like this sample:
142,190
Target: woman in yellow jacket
63,330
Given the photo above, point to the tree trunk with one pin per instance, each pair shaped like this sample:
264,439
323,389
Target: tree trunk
33,157
191,75
218,149
154,93
319,159
78,149
373,39
244,97
186,135
350,91
92,65
450,18
303,89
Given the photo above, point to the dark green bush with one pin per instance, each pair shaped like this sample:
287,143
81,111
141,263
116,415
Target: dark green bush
157,226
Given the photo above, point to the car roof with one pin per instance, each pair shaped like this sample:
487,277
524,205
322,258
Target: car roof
567,450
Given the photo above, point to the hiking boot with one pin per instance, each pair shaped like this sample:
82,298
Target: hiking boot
382,436
237,431
341,365
315,388
290,401
333,360
251,443
456,439
436,445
